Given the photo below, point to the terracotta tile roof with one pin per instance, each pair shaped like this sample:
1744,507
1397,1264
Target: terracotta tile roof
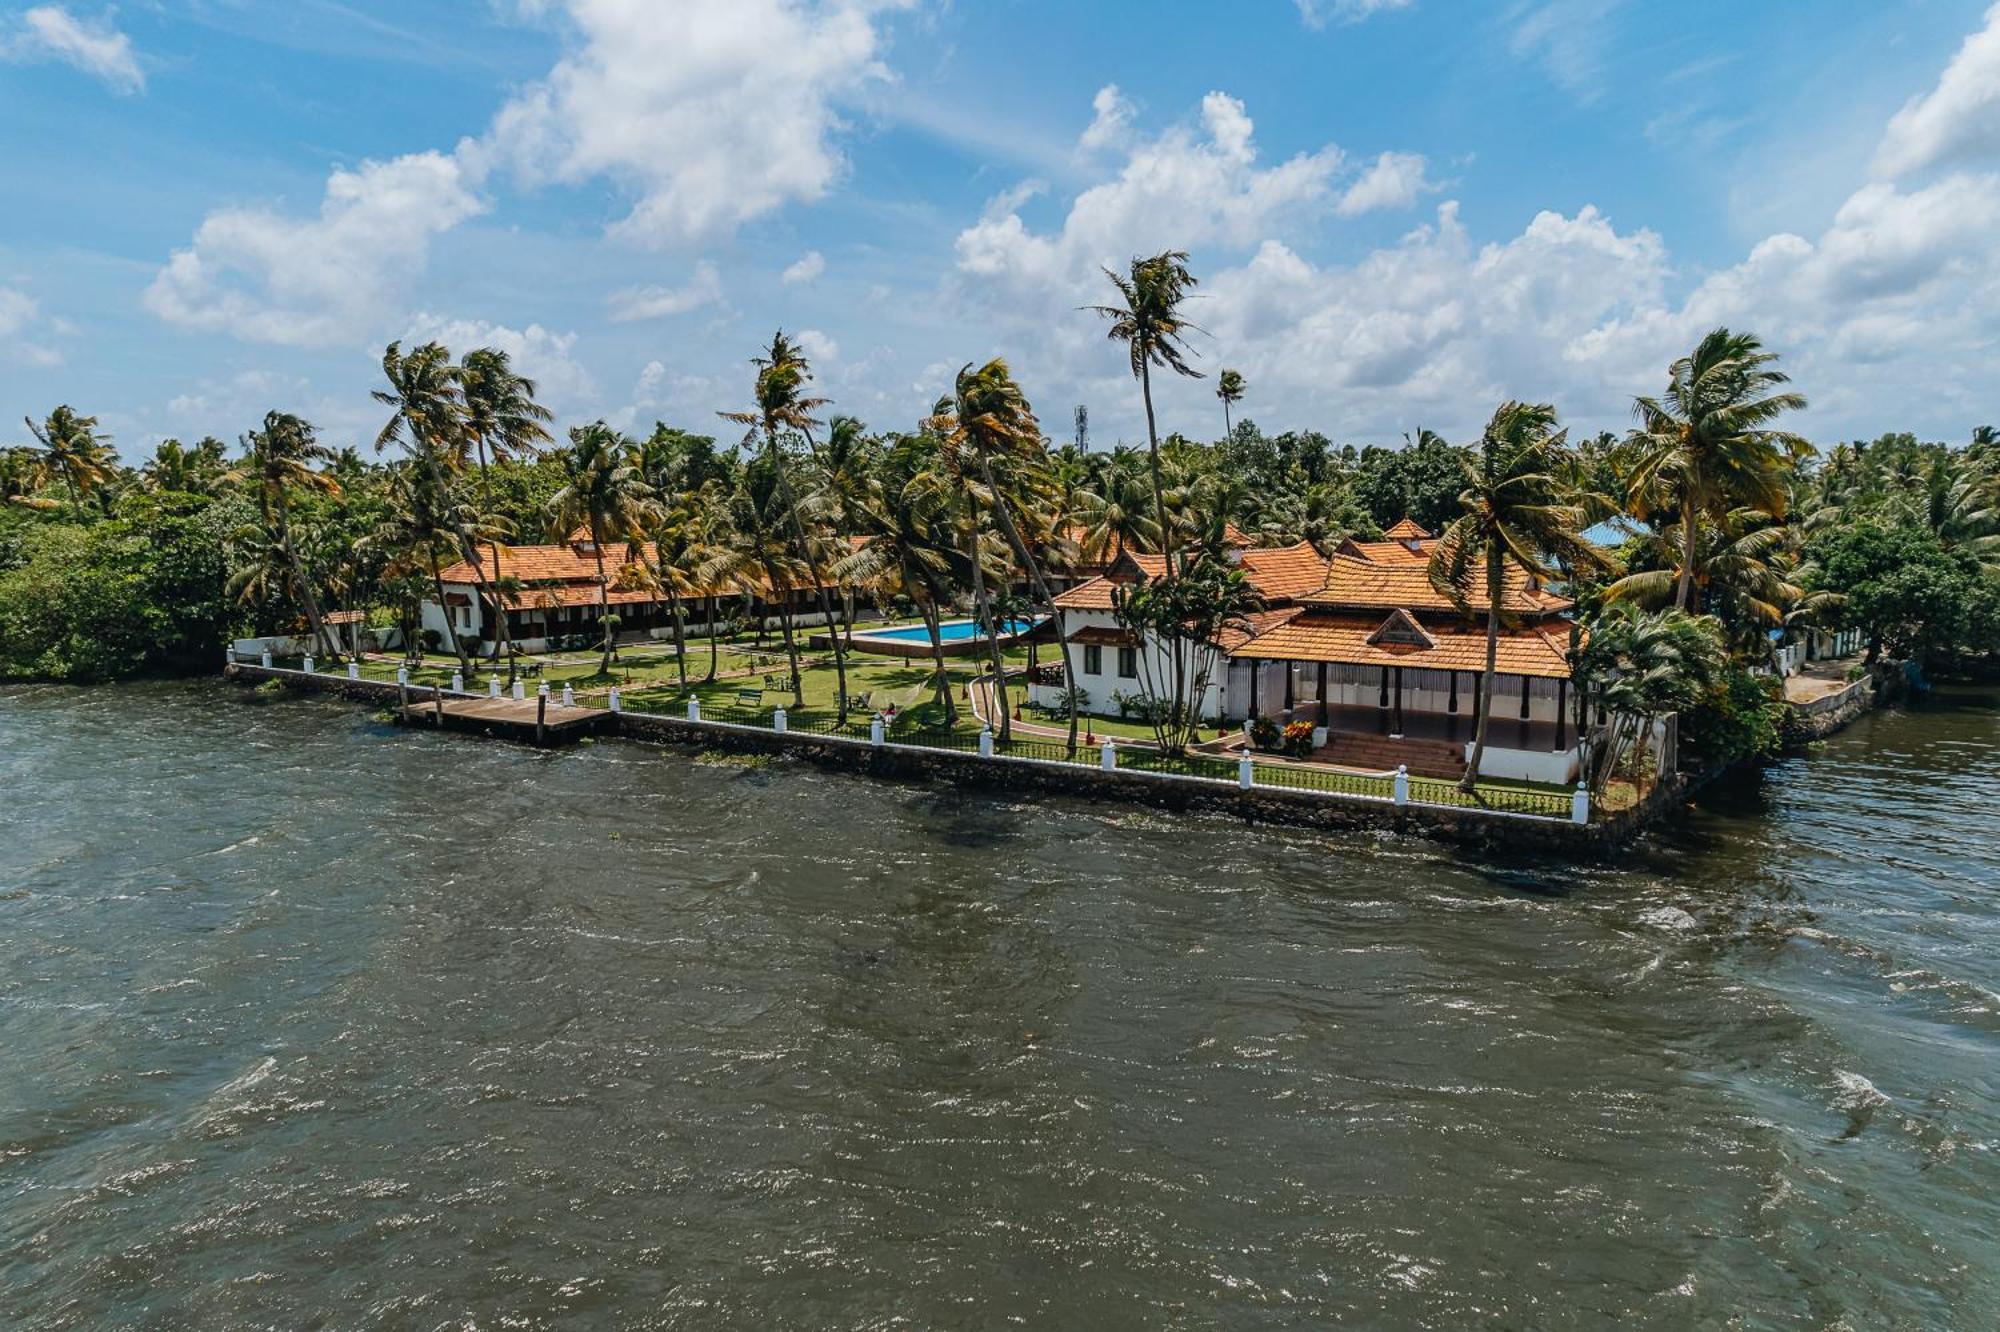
1366,584
541,598
1104,636
345,617
1285,573
1405,530
1092,595
567,563
1343,639
1389,552
1255,625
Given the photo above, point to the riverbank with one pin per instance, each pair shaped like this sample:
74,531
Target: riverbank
1246,790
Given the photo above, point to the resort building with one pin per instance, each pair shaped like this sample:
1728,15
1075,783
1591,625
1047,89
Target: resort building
553,593
1359,643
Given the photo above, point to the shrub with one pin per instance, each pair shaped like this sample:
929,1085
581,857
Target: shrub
1298,738
1264,733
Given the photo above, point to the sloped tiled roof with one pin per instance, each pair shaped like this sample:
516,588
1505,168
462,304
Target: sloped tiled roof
1285,573
1405,530
1256,624
1343,639
1368,584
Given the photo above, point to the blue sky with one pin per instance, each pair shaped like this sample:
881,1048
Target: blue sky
1403,210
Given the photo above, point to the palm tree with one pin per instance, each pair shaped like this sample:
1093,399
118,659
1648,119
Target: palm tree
990,423
1707,446
1148,321
905,517
427,521
759,554
190,471
1229,386
281,459
1743,579
783,407
72,451
504,423
1516,512
602,491
1112,512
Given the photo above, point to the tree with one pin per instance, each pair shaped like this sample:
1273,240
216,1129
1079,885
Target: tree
1707,445
1229,386
1148,321
1419,481
73,452
783,407
1639,667
1184,614
604,494
1908,594
1515,513
505,423
280,463
905,516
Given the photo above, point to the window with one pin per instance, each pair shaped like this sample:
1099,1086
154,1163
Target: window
1093,659
1128,663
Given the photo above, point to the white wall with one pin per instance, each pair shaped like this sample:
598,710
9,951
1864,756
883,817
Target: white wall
1153,674
1529,765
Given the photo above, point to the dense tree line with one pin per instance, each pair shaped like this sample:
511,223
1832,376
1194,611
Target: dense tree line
1740,532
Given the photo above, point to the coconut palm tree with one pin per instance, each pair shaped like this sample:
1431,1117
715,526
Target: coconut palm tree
1707,445
427,520
282,460
1230,387
73,452
1147,319
760,555
504,423
905,521
1114,512
989,424
190,471
602,492
1516,512
783,408
1743,581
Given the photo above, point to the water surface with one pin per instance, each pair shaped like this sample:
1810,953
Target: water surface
309,1022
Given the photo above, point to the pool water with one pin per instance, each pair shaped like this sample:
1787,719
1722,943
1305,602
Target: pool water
952,631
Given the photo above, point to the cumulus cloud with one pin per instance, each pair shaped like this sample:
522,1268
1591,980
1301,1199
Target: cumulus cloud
636,303
267,276
20,313
1111,121
51,32
820,349
1395,181
545,356
808,268
1958,121
710,113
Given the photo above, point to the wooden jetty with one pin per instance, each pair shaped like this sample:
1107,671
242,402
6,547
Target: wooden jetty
537,721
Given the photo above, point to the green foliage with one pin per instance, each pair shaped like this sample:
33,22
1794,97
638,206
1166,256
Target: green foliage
1910,595
1420,480
1739,717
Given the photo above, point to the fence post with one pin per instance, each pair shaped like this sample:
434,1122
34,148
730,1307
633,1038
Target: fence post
569,695
492,686
615,706
354,670
875,736
264,659
1245,773
1108,758
694,709
458,682
309,665
402,675
986,742
778,720
520,691
1579,805
1402,784
542,689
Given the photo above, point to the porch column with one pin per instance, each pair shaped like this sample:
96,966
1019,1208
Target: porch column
1290,700
1398,727
1562,712
1452,705
1382,693
1322,694
1256,669
1527,684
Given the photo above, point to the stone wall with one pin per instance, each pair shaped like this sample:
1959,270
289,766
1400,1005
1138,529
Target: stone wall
1830,713
1489,830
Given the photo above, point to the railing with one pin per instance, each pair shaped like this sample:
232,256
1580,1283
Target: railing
866,729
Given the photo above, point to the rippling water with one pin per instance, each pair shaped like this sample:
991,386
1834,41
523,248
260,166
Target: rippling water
305,1021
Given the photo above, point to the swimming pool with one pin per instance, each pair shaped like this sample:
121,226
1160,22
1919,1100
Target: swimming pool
951,631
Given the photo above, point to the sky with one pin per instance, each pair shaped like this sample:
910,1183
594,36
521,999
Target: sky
1401,212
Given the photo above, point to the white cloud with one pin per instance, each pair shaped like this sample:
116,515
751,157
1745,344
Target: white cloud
808,268
19,313
646,392
1394,181
51,32
266,276
1110,123
1959,119
1568,39
820,349
710,113
542,355
636,303
1318,13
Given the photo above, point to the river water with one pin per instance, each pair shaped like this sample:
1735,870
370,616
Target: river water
309,1022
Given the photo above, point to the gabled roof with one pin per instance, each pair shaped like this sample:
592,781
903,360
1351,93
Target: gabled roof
1401,629
1407,530
1285,573
1361,584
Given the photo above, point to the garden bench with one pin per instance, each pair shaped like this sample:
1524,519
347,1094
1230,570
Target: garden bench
753,698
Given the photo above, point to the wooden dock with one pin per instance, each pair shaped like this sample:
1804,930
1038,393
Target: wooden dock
535,721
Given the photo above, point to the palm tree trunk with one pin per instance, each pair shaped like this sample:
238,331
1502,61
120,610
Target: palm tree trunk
603,601
680,639
1153,453
502,641
1227,428
941,677
714,637
1686,588
791,648
306,597
1471,778
450,633
1027,559
982,607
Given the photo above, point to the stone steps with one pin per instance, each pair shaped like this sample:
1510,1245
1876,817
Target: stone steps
1424,758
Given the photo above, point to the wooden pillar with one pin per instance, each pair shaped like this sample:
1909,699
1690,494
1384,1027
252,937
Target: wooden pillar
1562,712
1382,693
1398,727
1256,669
1291,700
1452,705
1325,714
1527,684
